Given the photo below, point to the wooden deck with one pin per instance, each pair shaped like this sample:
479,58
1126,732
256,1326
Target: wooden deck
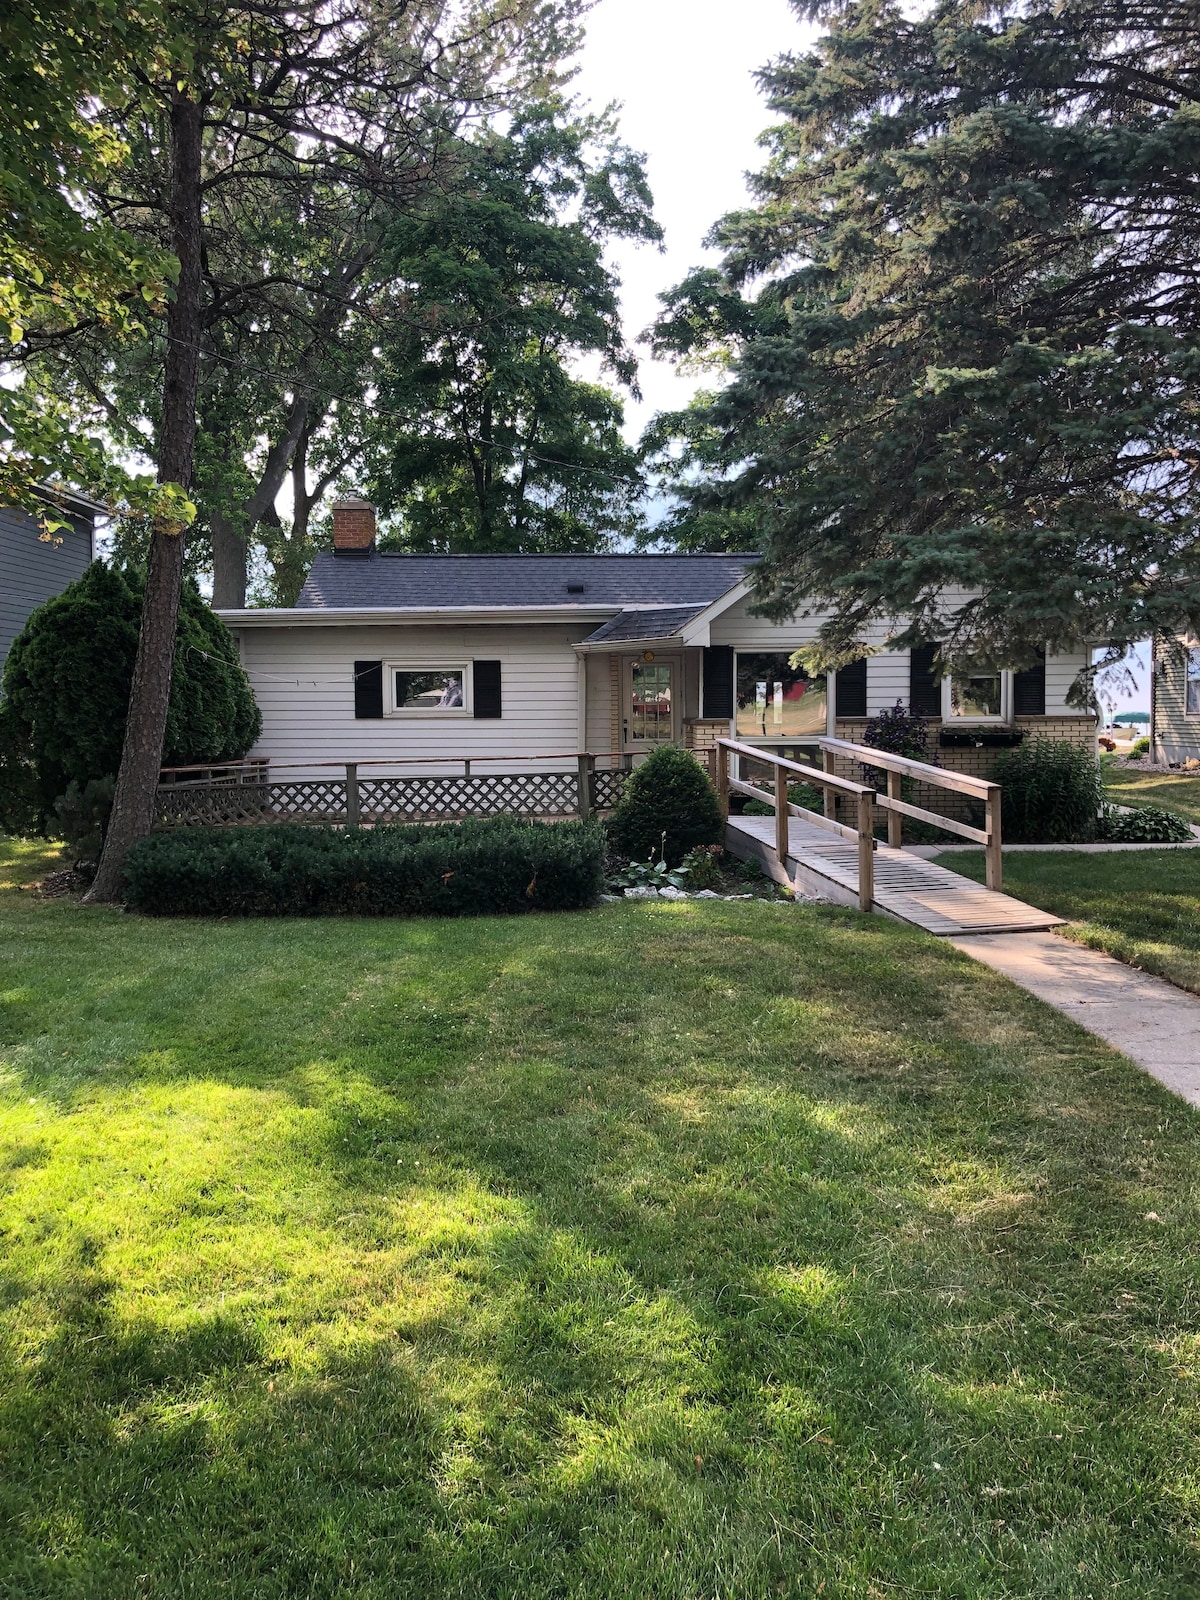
906,887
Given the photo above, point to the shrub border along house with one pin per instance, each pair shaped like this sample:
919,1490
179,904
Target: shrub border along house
496,864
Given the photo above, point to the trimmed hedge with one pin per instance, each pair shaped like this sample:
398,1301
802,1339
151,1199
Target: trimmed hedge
497,864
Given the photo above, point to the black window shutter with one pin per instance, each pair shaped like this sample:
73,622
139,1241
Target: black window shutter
487,689
1029,689
368,689
718,681
924,690
850,690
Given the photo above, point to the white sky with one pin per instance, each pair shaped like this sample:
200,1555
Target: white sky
682,71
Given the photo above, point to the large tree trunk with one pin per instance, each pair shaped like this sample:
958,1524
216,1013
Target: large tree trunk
231,559
146,722
231,545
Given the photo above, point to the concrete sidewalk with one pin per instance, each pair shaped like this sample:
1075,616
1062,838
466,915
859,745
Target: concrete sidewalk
1147,1019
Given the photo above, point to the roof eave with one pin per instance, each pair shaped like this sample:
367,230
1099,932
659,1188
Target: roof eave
384,616
696,632
657,641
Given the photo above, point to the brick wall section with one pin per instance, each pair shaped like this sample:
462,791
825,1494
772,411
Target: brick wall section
977,763
700,735
353,525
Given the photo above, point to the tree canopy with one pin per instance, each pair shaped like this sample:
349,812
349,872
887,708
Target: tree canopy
486,436
311,122
960,324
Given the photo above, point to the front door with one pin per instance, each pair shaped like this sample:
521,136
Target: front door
651,712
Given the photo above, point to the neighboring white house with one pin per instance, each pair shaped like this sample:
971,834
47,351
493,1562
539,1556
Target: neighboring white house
522,657
36,562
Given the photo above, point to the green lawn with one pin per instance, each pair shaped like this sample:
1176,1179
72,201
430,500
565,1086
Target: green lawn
1142,906
1130,787
667,1252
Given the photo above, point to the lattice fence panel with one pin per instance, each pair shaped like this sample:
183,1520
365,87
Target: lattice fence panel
426,798
309,800
608,784
444,798
222,804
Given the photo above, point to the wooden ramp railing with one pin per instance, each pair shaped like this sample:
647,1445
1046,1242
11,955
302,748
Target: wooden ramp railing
900,767
864,800
786,771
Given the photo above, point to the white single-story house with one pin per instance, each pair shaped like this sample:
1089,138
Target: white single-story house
523,657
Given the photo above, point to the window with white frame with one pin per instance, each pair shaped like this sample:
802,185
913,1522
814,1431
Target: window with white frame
977,697
419,689
1193,682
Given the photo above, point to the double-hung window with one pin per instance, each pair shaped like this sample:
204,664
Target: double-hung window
776,700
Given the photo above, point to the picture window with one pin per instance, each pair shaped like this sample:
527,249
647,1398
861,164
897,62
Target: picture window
423,689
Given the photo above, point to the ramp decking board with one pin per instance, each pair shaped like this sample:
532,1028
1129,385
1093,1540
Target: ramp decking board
906,887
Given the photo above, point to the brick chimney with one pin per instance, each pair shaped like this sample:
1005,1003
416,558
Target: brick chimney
353,525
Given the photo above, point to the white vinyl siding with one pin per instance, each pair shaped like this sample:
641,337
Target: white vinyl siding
1178,734
887,680
887,670
303,679
1060,674
599,704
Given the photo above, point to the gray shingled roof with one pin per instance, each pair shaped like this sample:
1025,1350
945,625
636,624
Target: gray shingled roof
357,582
657,622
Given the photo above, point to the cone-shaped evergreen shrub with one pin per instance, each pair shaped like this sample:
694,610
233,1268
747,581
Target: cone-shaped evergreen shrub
67,678
669,793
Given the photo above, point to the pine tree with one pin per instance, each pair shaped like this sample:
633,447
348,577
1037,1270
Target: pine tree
963,324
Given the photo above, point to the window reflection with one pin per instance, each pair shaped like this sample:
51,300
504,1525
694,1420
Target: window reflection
776,700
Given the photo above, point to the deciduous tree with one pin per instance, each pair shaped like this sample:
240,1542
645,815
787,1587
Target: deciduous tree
488,437
329,97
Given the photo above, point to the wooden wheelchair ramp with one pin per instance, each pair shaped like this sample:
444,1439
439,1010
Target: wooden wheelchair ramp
906,887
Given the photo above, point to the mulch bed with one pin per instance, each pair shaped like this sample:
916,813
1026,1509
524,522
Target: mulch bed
71,880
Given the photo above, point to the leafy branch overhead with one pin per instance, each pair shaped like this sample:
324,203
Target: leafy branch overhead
961,327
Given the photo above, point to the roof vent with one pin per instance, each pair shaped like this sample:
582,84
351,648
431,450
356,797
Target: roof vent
576,588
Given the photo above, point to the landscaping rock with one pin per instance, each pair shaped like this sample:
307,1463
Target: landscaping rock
706,894
609,899
645,893
672,893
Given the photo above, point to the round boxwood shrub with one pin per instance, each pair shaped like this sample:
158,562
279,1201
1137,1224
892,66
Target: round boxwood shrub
1052,793
668,794
67,679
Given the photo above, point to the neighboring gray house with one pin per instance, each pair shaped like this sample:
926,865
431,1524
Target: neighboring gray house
1175,700
36,564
